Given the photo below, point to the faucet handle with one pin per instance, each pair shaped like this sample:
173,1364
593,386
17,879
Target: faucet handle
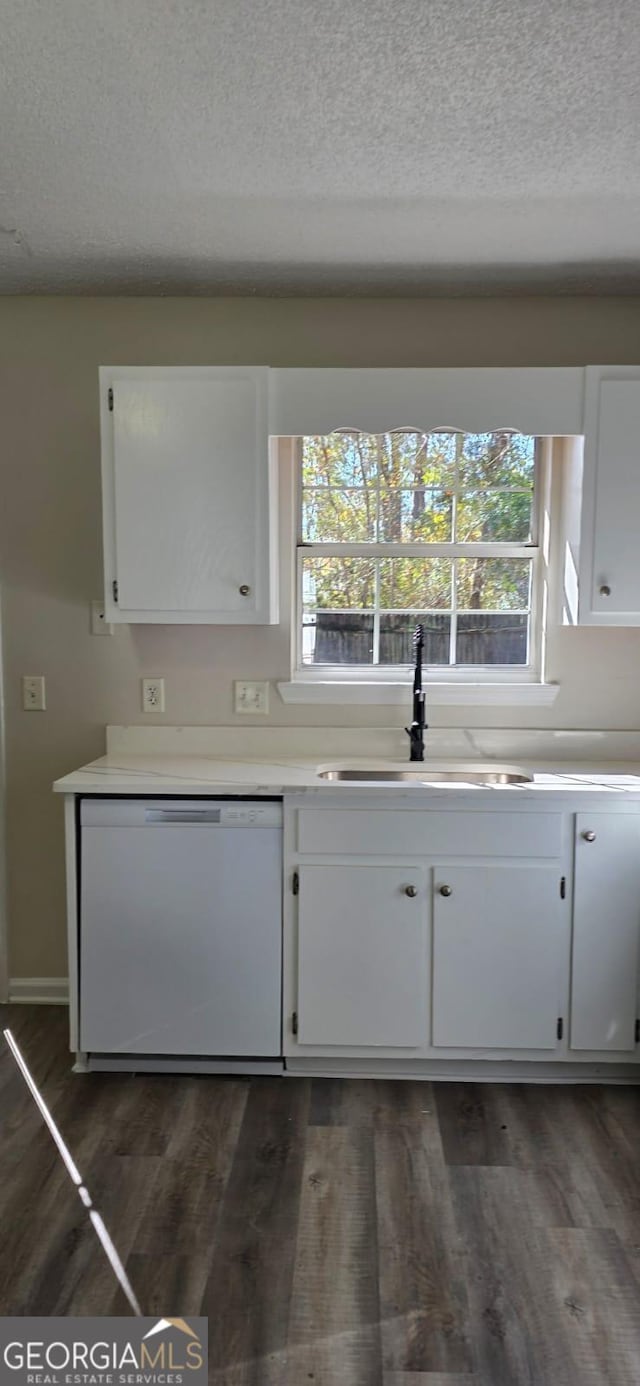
414,732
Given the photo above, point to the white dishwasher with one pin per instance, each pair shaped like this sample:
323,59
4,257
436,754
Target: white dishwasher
180,928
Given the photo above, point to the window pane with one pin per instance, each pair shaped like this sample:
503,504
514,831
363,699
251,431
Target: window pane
421,515
396,637
398,487
496,459
494,584
408,460
339,459
440,457
342,583
494,516
492,639
415,583
337,638
333,516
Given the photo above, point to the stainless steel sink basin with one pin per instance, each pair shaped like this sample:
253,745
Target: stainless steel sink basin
427,774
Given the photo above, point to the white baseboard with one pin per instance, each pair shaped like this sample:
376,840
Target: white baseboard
39,991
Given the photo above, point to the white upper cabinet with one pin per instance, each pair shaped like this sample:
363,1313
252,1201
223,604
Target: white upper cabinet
188,510
609,563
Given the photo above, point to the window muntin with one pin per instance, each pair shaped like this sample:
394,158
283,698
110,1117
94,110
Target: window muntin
400,527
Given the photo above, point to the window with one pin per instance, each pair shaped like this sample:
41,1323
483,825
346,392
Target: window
402,527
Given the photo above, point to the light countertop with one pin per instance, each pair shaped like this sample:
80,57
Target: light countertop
166,774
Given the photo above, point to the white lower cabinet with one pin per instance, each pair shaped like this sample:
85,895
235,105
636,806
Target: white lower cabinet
497,951
443,935
362,956
606,932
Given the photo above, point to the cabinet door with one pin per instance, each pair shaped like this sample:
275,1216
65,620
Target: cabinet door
496,956
609,569
606,930
187,511
362,956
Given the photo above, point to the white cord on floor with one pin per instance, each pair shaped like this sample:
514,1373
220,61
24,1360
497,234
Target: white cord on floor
74,1174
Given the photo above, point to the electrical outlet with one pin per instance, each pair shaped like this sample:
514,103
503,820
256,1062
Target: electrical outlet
33,693
99,626
153,695
251,696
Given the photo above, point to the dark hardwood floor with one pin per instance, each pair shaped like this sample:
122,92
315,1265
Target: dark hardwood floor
341,1233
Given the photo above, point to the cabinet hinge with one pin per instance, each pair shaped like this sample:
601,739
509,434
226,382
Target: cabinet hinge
560,1027
294,1023
295,883
563,887
638,1031
114,589
110,400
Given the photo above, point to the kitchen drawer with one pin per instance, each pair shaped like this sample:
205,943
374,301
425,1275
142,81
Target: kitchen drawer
404,832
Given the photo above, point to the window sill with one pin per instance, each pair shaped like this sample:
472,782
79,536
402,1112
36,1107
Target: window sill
438,694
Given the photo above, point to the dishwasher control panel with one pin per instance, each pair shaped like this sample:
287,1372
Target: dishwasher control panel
250,815
146,813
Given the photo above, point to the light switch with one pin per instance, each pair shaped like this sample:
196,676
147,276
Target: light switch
251,696
33,693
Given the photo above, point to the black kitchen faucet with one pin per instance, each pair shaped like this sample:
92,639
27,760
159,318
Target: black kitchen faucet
418,726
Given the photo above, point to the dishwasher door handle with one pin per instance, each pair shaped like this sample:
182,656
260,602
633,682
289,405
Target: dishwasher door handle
186,815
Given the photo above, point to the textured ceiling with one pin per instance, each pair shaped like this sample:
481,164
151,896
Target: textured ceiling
319,146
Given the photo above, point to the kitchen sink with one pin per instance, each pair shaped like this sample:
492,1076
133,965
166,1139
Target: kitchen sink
427,774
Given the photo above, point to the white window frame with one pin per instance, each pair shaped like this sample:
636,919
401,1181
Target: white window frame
368,676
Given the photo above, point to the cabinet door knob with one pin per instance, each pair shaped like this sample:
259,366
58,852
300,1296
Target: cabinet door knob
605,590
244,589
446,891
411,891
589,836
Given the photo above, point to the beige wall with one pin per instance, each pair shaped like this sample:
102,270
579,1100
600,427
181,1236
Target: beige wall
50,556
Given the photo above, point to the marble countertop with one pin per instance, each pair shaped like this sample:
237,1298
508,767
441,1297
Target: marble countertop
166,774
